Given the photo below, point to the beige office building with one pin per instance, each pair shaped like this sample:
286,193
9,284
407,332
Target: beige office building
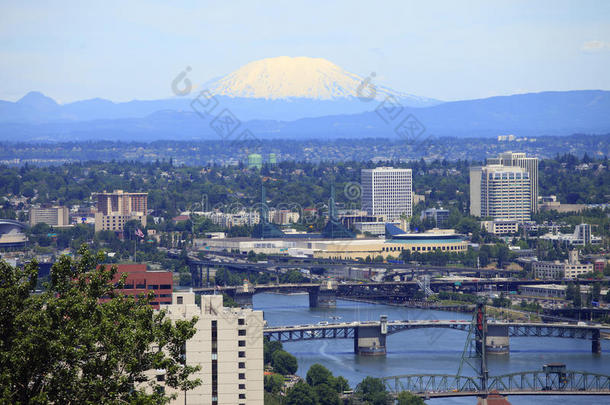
118,207
228,346
500,192
500,226
528,163
53,216
569,269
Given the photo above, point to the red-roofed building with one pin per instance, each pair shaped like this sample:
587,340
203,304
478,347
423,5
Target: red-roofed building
140,281
180,218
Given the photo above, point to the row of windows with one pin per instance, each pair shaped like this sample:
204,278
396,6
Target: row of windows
421,248
150,286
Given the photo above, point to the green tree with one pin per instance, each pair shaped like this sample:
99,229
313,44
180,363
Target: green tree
274,383
595,294
407,398
318,374
372,390
284,362
269,348
327,395
64,346
301,394
341,384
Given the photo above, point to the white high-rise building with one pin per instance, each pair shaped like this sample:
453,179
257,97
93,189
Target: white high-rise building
503,192
54,216
387,191
528,163
228,346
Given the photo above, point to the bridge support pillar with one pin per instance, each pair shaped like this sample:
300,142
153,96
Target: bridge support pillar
196,275
243,299
497,340
371,340
324,296
243,295
596,345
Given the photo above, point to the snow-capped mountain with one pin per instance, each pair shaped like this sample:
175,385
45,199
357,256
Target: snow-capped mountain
285,77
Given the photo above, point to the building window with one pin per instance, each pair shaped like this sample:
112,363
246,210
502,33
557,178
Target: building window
241,332
242,354
242,376
241,343
242,396
242,364
179,300
242,386
241,321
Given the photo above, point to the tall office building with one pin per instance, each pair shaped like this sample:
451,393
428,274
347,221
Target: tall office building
228,346
387,191
528,163
118,207
500,192
53,216
475,191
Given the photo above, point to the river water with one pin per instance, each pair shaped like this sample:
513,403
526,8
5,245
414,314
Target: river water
422,351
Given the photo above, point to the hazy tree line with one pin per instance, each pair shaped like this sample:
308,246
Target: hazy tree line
288,184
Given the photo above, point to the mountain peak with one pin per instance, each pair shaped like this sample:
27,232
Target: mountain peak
38,100
288,77
300,77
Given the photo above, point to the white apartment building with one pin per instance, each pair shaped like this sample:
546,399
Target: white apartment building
229,220
528,163
387,191
53,216
500,192
582,236
228,345
569,269
500,226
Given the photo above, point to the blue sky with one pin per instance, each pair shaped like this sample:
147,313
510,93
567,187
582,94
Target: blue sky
448,50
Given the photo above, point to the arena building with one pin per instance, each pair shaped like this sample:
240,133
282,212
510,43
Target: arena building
359,248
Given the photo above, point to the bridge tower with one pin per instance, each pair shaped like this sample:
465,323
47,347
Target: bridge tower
324,296
370,340
596,346
497,341
475,349
243,294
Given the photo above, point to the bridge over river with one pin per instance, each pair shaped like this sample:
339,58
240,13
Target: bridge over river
370,337
325,293
553,379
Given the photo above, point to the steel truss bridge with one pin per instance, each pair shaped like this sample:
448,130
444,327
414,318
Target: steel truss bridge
543,382
554,379
346,330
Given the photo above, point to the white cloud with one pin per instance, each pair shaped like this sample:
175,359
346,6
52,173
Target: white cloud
594,46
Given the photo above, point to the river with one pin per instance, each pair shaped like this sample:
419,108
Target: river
421,351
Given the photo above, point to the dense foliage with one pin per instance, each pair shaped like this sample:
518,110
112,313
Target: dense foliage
289,184
63,346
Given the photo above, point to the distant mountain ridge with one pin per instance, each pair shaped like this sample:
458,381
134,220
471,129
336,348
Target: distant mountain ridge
280,88
533,114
